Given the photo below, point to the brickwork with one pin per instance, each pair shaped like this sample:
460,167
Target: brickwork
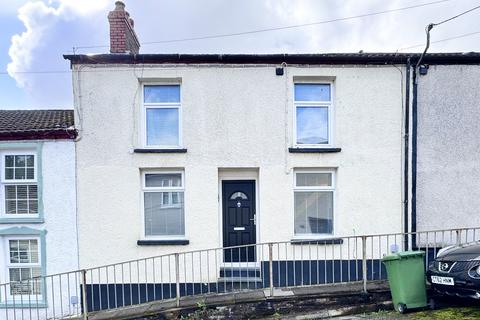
122,35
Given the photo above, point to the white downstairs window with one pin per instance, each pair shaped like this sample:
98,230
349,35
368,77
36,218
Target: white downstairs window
23,268
163,204
314,193
19,184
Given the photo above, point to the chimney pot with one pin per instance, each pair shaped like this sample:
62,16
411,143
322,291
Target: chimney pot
119,6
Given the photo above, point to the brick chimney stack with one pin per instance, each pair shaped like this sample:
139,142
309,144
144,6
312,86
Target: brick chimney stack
122,36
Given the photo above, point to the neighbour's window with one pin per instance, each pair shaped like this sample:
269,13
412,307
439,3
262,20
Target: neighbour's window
162,115
313,104
19,184
24,265
313,198
163,204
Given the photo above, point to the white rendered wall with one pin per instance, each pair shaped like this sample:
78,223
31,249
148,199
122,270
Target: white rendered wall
448,176
59,202
233,117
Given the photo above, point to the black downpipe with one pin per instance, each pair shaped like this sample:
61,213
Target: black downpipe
406,153
414,159
414,138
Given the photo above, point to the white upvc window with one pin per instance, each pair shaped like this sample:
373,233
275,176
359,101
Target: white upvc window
313,114
23,268
19,186
314,197
163,204
162,116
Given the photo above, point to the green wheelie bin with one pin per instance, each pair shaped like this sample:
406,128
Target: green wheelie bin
406,276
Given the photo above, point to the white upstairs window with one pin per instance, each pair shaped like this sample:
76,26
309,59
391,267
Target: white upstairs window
314,193
163,204
313,114
162,116
19,184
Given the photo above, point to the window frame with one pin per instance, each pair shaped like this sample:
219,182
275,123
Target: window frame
9,298
161,105
6,182
314,104
330,189
145,189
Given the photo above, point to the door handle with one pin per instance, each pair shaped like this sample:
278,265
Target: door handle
254,219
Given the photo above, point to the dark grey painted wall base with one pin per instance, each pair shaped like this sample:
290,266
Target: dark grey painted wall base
285,274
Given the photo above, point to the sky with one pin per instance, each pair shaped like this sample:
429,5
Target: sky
35,34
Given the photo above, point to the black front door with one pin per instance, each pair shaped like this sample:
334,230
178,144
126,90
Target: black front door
239,219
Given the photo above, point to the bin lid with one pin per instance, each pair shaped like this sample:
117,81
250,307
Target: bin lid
391,257
403,255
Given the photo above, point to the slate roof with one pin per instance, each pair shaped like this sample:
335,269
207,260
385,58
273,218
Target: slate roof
36,124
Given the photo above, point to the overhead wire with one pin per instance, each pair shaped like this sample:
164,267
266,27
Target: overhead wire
277,28
127,69
280,28
430,26
442,40
456,16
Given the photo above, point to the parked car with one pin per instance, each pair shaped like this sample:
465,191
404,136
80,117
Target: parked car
456,271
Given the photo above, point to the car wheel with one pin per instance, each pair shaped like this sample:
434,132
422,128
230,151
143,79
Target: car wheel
401,307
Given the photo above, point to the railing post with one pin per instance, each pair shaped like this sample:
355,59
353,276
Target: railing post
364,263
177,279
270,267
84,294
459,236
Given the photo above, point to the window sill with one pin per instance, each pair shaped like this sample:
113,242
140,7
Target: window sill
314,150
172,242
316,241
21,220
160,150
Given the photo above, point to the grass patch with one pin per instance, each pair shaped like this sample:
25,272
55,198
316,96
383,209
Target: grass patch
465,313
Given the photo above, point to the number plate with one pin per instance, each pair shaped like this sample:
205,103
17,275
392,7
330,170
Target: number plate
443,280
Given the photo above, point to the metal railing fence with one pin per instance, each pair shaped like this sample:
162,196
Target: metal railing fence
262,266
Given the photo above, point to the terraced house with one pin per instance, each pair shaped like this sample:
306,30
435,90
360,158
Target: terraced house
184,152
37,202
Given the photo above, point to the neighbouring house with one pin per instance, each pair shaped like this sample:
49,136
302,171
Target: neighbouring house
38,233
183,152
448,156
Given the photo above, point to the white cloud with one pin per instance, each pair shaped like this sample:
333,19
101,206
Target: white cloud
38,18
